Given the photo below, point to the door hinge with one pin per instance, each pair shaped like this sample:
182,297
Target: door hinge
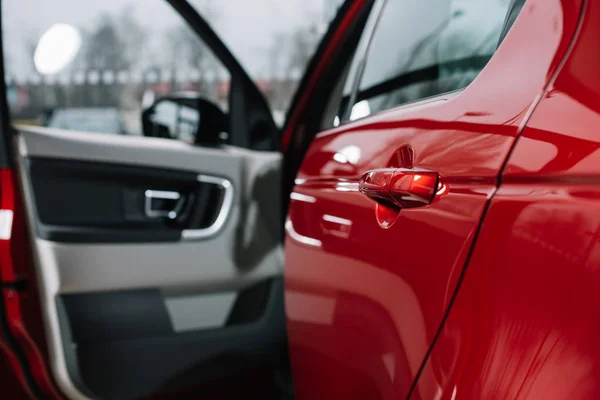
17,285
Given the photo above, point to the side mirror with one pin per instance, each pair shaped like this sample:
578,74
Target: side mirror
188,117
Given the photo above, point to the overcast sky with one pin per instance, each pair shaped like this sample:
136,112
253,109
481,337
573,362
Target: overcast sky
247,26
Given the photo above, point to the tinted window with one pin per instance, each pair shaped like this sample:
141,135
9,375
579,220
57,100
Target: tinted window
102,63
424,48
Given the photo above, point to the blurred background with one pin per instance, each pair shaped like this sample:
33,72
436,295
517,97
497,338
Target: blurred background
133,51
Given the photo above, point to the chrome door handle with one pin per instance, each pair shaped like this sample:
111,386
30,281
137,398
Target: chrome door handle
163,204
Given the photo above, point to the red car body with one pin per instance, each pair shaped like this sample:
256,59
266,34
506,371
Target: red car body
490,291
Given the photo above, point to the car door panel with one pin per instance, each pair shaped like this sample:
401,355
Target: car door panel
524,323
151,354
231,163
356,265
339,256
121,292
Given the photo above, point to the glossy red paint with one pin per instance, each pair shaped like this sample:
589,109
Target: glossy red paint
525,322
364,303
25,330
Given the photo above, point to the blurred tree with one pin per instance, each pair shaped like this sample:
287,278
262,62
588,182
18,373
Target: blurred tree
286,59
302,44
132,34
104,47
187,52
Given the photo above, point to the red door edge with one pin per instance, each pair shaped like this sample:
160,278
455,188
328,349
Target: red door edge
562,56
11,238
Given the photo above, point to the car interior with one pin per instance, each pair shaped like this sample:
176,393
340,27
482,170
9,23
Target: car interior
160,261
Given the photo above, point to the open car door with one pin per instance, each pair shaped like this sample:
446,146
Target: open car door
158,261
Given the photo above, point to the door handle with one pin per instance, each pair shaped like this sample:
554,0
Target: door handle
163,204
400,187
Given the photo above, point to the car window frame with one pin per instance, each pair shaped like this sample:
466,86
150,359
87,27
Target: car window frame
514,5
362,53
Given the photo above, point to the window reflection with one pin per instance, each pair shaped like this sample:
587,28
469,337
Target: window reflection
418,51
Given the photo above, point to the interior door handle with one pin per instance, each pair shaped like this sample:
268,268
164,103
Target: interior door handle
400,187
163,204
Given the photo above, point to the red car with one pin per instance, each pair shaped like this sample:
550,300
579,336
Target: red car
438,178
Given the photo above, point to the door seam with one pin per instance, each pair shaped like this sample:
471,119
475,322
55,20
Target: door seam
488,202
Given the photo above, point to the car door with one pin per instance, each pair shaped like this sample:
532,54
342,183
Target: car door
393,188
524,324
158,261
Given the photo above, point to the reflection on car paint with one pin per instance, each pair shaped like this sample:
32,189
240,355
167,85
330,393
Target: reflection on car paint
393,286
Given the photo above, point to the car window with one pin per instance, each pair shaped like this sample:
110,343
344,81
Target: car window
102,63
273,40
424,48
